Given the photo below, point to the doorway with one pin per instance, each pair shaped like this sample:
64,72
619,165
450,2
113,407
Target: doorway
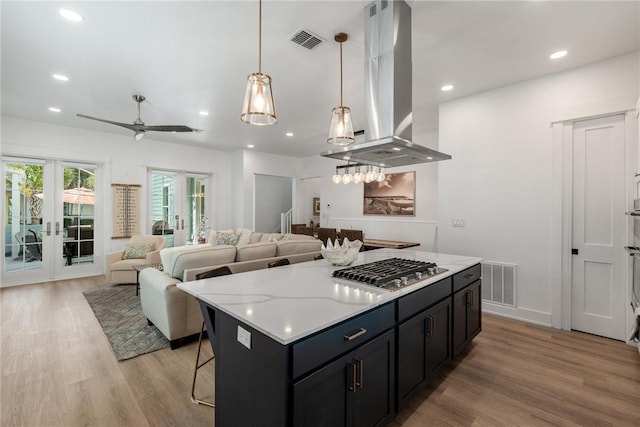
598,227
51,220
179,206
273,195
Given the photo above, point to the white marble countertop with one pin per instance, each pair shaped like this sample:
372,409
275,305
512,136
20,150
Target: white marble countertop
291,302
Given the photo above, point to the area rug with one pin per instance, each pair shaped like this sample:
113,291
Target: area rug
118,311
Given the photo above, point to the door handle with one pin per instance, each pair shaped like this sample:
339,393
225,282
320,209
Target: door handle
48,228
352,337
352,387
177,217
360,368
182,222
57,228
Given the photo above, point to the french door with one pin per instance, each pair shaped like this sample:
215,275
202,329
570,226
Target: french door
179,204
51,222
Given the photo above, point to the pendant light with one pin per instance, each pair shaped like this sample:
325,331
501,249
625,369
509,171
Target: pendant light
341,128
258,106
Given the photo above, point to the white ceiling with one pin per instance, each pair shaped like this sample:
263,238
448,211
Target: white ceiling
189,56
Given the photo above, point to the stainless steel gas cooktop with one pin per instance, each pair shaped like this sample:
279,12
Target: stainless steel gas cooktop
391,274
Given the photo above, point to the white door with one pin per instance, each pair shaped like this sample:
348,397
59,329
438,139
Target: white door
179,202
598,227
50,225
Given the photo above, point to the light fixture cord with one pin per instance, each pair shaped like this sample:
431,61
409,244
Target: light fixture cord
260,39
340,74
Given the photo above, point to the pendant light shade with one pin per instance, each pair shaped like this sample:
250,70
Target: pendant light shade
258,108
341,127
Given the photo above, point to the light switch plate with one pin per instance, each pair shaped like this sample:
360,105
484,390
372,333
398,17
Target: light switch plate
244,337
457,222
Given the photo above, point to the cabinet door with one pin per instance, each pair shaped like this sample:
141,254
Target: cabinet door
412,357
438,340
321,399
474,314
375,367
459,321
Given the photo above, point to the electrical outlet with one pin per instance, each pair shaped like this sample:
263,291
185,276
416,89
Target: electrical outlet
457,222
244,337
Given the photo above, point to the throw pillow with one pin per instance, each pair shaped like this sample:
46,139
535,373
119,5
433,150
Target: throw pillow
137,250
227,238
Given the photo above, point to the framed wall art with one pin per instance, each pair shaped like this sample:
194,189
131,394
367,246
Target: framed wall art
395,196
316,205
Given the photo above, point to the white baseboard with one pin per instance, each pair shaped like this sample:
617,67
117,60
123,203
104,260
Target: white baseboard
526,315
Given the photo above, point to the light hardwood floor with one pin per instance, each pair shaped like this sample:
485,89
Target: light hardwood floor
57,369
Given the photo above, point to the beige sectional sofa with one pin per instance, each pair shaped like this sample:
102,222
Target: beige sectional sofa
177,314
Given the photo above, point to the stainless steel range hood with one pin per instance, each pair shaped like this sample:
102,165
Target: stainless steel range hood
388,90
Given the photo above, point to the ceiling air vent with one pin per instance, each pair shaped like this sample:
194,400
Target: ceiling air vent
306,38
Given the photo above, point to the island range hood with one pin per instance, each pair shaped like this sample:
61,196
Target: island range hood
388,89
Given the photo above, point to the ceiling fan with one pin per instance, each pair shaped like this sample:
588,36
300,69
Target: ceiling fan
138,125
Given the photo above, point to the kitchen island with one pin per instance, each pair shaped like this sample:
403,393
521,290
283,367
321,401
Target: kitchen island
295,346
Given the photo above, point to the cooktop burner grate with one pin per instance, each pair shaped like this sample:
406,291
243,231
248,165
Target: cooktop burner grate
392,271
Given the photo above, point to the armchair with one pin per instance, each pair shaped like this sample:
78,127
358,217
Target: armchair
121,270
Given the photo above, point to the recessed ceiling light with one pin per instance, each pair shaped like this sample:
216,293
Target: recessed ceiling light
289,133
60,77
446,88
250,146
71,15
397,148
559,54
429,158
204,113
54,109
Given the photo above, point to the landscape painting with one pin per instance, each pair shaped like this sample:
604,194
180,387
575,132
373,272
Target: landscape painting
393,196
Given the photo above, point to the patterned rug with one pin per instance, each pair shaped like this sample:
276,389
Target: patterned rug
118,310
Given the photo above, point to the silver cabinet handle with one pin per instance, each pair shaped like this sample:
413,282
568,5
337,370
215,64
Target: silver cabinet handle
57,228
48,228
352,337
360,381
352,387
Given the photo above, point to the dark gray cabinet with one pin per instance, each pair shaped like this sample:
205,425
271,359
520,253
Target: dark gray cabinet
355,390
358,372
467,317
424,346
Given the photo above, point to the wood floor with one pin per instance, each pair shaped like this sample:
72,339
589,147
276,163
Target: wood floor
57,369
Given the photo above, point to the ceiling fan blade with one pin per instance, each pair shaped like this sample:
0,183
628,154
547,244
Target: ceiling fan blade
170,128
124,125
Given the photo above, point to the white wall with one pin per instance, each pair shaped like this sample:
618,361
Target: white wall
265,164
273,197
500,178
308,188
125,160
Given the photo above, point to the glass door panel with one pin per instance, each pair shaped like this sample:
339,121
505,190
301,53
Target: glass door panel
178,206
24,200
78,207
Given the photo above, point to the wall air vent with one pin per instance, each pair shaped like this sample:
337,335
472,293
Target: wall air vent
306,38
499,282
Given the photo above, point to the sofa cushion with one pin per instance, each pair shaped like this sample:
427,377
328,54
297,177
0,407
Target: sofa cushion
290,247
271,237
253,251
244,236
137,250
255,237
195,256
291,236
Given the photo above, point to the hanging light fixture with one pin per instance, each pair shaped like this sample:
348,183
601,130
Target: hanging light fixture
258,106
337,178
341,128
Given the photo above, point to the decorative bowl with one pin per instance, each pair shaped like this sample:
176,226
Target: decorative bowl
341,254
